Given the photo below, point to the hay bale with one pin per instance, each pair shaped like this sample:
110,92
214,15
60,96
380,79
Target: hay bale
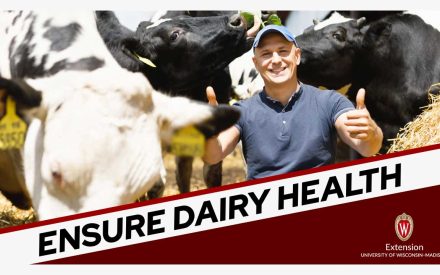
424,130
11,216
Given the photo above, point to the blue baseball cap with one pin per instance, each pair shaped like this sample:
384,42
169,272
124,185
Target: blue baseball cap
274,28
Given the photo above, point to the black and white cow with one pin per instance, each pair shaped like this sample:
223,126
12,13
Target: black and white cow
330,50
185,53
396,59
96,131
246,81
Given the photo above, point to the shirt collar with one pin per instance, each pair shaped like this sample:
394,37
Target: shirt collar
273,102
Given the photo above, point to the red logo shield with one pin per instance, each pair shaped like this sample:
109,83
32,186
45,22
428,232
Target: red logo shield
404,226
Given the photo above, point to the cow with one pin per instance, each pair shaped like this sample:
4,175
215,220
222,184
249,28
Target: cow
246,81
96,129
332,46
395,58
185,53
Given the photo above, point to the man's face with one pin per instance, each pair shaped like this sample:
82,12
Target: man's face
276,59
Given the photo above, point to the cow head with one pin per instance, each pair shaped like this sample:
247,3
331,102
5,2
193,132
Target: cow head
96,140
188,50
328,51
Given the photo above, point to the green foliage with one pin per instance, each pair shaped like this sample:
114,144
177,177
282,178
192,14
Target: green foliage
272,20
249,17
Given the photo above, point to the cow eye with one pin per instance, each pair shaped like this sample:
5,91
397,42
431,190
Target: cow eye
340,36
174,35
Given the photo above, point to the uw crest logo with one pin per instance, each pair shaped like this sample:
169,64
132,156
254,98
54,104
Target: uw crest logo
404,226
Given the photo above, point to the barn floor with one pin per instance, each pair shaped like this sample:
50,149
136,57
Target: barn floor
232,172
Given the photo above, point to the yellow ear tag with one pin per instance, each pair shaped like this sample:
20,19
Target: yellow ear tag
12,128
145,60
188,142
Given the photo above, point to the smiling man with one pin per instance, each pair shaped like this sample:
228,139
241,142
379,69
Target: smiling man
289,125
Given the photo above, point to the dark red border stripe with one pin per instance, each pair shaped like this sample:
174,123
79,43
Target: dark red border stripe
221,188
329,235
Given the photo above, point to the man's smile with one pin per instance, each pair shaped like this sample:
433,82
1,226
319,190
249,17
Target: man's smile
277,71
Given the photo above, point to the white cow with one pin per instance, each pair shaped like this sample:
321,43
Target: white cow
95,138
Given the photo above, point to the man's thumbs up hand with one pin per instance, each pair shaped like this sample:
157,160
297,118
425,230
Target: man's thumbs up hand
210,94
359,123
360,99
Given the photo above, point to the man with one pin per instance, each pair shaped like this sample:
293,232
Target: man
290,126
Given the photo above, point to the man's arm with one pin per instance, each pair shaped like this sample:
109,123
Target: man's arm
357,129
218,147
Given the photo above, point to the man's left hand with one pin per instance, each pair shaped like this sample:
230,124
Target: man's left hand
359,123
210,94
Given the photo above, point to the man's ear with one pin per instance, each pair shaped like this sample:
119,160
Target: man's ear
255,61
298,56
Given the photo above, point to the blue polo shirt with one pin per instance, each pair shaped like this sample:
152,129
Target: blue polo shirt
280,139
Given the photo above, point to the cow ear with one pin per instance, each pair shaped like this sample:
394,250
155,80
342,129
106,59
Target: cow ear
25,95
133,47
309,29
131,44
361,22
142,26
173,113
380,29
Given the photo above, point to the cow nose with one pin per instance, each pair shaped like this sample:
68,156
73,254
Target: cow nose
57,176
236,21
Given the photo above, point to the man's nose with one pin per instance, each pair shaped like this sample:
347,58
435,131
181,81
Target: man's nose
276,58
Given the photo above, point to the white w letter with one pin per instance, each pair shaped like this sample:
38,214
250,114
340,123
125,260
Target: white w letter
404,229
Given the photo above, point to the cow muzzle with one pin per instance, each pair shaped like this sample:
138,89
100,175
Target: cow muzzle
236,21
